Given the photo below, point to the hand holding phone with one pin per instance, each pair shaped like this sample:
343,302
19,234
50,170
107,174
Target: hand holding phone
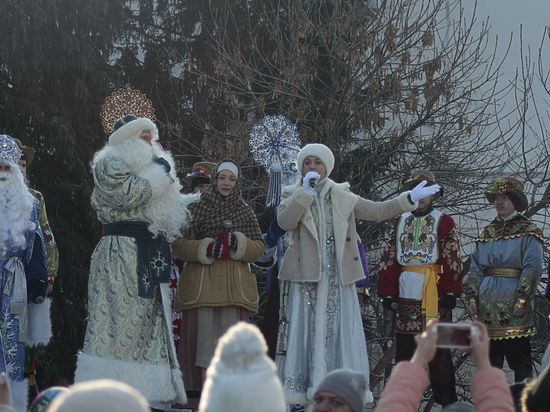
425,344
480,347
455,335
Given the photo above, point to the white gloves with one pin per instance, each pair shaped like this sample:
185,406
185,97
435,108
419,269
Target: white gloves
307,182
420,191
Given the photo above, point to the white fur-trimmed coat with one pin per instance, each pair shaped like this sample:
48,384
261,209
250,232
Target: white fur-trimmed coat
301,262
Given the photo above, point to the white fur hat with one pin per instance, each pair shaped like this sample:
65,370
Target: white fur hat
105,395
131,128
319,150
241,377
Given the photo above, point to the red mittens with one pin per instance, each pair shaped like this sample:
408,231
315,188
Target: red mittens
222,248
229,238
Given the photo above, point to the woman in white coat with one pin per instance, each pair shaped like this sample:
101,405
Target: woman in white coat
320,324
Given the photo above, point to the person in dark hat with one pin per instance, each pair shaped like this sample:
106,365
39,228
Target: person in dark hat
505,269
197,181
536,394
52,253
419,279
199,178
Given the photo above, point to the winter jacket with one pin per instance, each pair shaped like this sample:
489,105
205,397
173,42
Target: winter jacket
206,281
302,262
409,380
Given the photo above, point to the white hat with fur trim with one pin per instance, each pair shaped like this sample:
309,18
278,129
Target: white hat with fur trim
319,150
129,126
241,377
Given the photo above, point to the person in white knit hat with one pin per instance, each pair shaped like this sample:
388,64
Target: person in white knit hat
241,377
320,325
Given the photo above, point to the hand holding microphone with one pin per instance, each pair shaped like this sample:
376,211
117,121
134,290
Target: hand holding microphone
309,182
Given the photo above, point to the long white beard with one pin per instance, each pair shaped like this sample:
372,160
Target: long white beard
16,205
167,214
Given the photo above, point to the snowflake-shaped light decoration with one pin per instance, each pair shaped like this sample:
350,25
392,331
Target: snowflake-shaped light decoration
158,263
275,140
123,102
274,144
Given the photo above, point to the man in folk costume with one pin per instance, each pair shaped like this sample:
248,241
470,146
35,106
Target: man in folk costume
419,279
504,272
199,178
52,254
23,275
137,199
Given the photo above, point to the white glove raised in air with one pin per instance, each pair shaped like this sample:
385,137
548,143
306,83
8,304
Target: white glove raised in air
310,179
420,191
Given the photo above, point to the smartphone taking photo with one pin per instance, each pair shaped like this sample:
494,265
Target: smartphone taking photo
455,335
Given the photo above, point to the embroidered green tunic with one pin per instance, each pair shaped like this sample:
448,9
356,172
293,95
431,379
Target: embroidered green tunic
506,244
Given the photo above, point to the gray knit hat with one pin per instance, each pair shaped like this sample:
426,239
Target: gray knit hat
348,385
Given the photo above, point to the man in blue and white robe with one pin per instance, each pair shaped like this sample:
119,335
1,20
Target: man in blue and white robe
23,275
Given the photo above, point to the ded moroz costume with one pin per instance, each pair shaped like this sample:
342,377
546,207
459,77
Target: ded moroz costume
23,275
504,272
419,278
137,199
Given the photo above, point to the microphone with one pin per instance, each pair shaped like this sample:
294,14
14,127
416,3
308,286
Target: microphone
394,306
38,300
312,183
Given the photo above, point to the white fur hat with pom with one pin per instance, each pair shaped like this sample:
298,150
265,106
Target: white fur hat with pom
241,377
